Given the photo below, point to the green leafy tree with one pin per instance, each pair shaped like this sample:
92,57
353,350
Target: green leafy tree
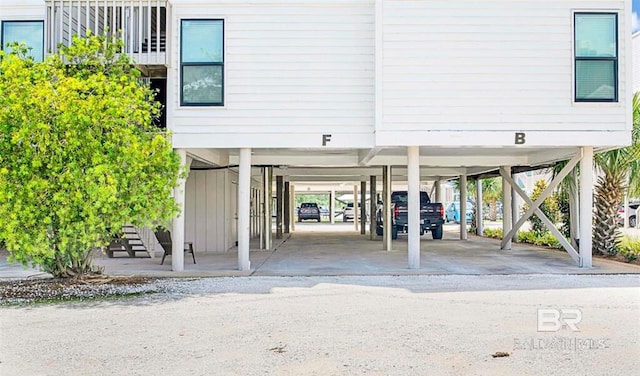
79,156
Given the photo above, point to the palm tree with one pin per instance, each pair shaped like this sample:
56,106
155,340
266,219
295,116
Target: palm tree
619,170
491,194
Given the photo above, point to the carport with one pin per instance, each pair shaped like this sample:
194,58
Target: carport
322,249
262,182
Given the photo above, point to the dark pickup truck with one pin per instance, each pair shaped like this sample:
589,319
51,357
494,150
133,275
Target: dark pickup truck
431,215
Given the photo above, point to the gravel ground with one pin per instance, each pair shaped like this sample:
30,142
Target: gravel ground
408,325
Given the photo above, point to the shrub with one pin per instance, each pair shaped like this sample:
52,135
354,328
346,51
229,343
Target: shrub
547,240
549,207
629,248
530,237
495,233
526,237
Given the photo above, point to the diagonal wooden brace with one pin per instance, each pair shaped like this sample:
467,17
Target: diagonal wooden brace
536,205
565,243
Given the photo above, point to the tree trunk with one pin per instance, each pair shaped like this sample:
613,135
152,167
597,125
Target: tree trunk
493,210
608,197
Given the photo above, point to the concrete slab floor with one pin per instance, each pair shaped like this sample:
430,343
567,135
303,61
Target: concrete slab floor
322,249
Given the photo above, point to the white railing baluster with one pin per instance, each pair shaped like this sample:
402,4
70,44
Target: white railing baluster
87,25
157,30
131,27
61,25
148,27
139,29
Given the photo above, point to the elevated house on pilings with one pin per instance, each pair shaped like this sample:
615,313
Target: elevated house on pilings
359,90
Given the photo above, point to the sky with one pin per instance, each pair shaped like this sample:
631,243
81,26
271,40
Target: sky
636,15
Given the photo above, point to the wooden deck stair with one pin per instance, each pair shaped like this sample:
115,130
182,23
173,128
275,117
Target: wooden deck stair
130,243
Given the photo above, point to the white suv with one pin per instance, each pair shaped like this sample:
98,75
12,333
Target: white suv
348,214
632,212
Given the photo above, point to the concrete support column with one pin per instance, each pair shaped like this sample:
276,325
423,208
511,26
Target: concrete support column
479,208
253,213
373,207
260,213
355,208
413,205
177,233
293,207
438,192
279,205
463,207
332,206
586,206
244,206
266,213
363,207
514,208
386,208
287,208
506,207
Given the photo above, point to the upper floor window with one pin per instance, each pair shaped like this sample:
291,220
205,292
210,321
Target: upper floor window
202,62
596,57
31,33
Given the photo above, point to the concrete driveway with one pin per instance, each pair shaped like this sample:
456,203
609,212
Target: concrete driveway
322,249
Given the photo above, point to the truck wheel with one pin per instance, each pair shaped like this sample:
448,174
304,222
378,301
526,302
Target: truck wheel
379,231
394,233
421,231
437,233
632,221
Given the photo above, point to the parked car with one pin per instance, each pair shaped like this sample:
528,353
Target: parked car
348,214
309,210
632,212
431,215
452,212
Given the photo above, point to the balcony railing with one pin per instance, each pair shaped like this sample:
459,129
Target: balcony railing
142,25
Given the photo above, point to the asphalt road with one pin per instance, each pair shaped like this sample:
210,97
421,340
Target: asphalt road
410,325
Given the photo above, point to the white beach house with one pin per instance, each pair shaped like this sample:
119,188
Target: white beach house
352,90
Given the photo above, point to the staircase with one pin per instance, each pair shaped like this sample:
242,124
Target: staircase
131,243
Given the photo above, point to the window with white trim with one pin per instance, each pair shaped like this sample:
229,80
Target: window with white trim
31,33
596,57
202,62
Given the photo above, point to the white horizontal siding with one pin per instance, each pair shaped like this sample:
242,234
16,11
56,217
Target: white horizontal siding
290,67
22,10
489,65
